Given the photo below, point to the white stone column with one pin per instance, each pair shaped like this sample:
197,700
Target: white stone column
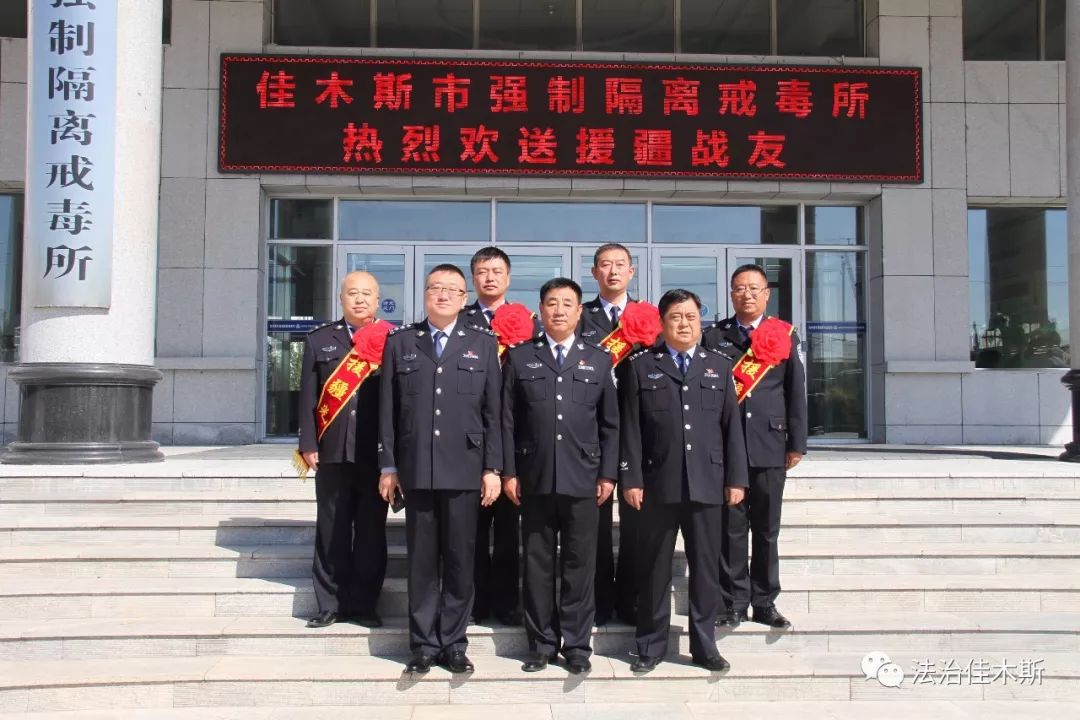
1072,122
99,361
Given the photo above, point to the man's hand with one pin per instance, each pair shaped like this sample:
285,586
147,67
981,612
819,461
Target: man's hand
489,493
604,488
792,459
312,460
388,483
510,489
735,495
634,497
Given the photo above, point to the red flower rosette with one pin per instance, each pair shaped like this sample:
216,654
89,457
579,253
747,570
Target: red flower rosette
370,340
771,342
513,324
640,323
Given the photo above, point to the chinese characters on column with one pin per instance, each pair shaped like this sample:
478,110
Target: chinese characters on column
472,116
71,152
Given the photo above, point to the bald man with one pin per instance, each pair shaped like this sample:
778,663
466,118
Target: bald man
350,527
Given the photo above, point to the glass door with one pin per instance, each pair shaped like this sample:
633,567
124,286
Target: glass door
698,269
391,268
783,267
530,267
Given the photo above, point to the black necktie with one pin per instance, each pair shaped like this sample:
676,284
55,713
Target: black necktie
684,362
614,316
489,314
438,338
559,356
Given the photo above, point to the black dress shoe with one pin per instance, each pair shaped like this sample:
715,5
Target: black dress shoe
537,662
644,664
731,619
771,616
510,618
419,664
713,664
457,662
323,619
578,664
366,619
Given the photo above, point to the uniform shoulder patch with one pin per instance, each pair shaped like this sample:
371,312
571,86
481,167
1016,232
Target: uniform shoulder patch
323,326
483,330
403,328
639,353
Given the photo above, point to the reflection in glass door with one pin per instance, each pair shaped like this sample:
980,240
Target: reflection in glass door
299,298
583,262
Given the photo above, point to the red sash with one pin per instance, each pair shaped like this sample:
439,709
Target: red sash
617,345
749,371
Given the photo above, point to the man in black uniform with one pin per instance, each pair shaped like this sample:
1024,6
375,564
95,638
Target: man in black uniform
616,590
440,432
774,424
496,568
560,444
682,456
350,525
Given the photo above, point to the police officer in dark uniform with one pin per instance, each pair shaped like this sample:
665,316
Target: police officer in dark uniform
682,456
774,424
616,590
561,445
350,526
498,560
440,434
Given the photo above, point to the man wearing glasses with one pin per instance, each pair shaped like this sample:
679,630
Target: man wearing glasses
774,425
440,438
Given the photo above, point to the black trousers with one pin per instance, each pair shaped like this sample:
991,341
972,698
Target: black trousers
559,536
440,534
755,583
498,558
616,585
702,528
350,538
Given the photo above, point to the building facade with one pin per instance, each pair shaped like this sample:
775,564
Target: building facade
933,312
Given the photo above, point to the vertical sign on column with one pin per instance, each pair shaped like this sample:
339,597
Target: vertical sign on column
70,159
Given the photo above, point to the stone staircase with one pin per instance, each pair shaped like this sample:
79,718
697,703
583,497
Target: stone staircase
183,588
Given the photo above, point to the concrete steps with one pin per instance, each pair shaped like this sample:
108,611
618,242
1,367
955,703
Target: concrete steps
299,528
182,590
59,598
287,681
129,637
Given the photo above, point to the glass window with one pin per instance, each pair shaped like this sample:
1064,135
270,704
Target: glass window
13,18
301,219
389,270
834,226
425,24
11,240
782,283
726,28
593,223
628,25
589,287
340,23
1019,288
1001,30
835,344
819,27
727,224
528,24
410,221
1055,30
528,274
696,274
299,289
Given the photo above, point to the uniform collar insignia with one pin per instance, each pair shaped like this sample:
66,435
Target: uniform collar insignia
419,333
581,346
461,333
339,326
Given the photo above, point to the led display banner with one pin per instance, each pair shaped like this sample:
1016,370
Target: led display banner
312,114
